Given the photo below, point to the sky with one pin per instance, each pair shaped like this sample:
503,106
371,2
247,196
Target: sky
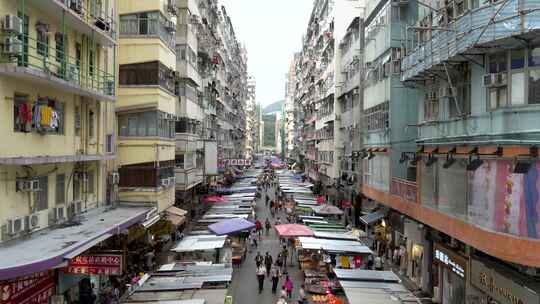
272,32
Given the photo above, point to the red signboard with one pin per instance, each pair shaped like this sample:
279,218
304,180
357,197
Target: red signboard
32,289
106,264
234,162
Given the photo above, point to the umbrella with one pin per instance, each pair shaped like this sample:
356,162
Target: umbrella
293,230
214,199
327,210
231,226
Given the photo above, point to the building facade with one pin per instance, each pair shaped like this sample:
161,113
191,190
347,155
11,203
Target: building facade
147,101
59,150
252,120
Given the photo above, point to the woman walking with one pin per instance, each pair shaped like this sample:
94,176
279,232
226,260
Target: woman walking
260,277
288,286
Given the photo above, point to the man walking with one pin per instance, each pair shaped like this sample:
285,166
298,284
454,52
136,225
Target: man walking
258,259
275,274
284,255
268,263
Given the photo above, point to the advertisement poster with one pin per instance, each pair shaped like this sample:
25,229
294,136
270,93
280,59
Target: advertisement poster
32,289
106,264
504,201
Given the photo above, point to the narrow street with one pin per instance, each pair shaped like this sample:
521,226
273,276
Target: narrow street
244,285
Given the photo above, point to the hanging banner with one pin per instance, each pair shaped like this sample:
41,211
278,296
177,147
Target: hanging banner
32,289
107,264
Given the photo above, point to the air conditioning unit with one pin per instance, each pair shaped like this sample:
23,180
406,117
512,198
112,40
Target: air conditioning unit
73,73
12,24
490,80
28,185
115,178
76,5
12,46
170,26
165,182
502,79
15,226
32,221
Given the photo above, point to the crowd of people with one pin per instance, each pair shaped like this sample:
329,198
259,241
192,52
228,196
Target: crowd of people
269,267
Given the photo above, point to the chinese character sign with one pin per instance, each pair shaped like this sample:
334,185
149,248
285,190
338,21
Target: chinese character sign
36,288
101,264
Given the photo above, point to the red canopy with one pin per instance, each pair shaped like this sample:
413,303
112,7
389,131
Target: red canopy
321,199
214,199
293,230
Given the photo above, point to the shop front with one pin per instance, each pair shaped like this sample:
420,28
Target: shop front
449,275
414,246
91,277
495,284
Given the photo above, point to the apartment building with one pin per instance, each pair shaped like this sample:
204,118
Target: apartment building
216,77
57,156
252,119
147,101
290,134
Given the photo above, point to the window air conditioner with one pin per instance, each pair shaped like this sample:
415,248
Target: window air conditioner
115,178
15,226
165,182
32,221
12,24
490,80
12,46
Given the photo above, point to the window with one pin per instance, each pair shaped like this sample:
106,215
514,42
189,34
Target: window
77,122
76,188
78,55
179,160
145,124
109,143
60,47
148,73
42,42
91,121
90,182
534,76
60,189
91,64
41,196
148,24
498,95
376,117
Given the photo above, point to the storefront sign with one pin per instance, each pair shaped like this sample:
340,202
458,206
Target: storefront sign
33,289
107,264
449,259
234,162
500,287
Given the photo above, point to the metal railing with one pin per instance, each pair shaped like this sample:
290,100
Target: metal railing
405,189
479,26
29,52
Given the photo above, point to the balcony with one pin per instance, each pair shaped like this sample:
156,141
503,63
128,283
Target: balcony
405,189
186,142
187,179
472,29
91,21
38,62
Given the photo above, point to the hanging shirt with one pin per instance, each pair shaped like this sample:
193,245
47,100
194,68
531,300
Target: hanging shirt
345,262
357,261
54,120
37,116
46,113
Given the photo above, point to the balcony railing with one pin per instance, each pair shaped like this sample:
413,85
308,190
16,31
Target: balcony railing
405,189
55,65
476,27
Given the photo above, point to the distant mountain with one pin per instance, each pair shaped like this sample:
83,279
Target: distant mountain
273,107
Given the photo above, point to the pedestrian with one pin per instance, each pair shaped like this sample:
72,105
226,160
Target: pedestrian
267,201
268,226
288,286
378,264
302,295
268,263
284,255
283,292
253,237
281,300
275,274
260,277
258,259
258,227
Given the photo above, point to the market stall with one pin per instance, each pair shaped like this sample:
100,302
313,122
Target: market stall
317,257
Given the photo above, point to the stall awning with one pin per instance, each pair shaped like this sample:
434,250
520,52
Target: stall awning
366,275
371,218
200,242
231,226
176,211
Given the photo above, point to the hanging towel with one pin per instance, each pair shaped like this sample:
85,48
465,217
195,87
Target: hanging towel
37,116
345,262
46,116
